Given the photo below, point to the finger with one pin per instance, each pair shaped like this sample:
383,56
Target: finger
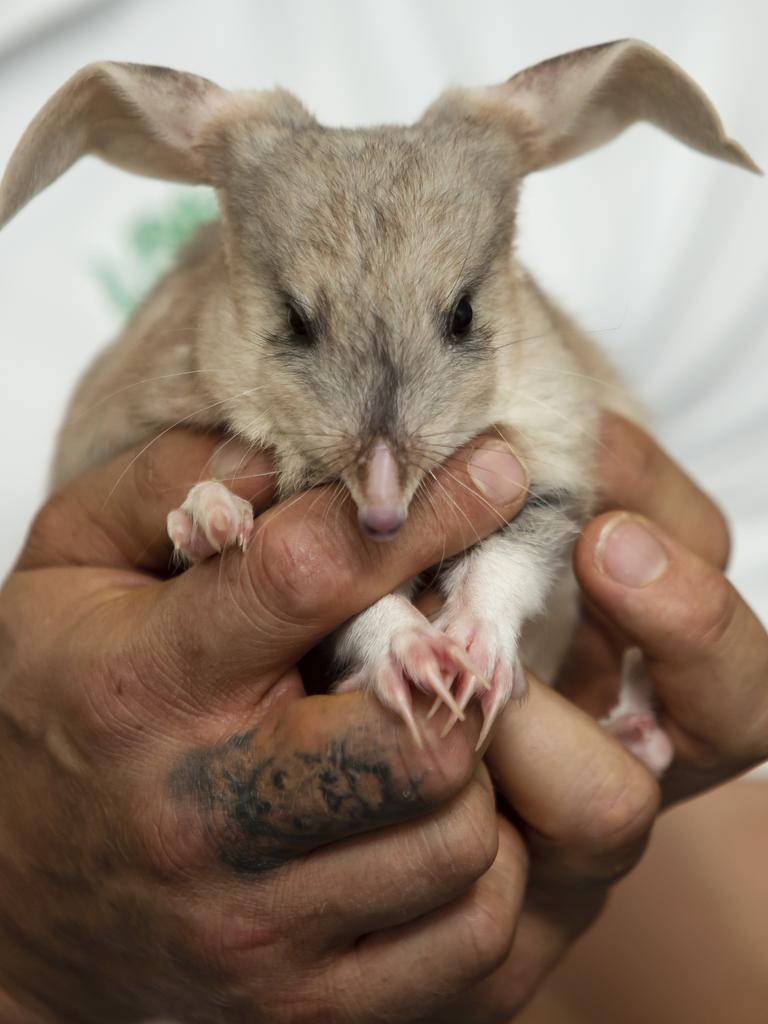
585,803
705,649
541,938
313,771
393,876
636,474
414,970
115,515
309,567
585,808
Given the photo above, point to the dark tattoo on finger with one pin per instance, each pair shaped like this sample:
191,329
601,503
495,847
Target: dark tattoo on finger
263,809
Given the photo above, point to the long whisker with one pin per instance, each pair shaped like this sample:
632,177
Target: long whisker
339,435
556,412
337,502
488,505
445,461
524,338
423,494
554,330
442,453
281,509
167,430
575,373
236,437
518,456
138,383
455,505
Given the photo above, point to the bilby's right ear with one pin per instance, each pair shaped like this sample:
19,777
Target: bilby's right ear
150,120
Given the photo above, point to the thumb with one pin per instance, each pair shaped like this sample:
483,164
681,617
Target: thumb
705,650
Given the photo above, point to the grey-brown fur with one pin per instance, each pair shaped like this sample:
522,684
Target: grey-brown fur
388,229
374,234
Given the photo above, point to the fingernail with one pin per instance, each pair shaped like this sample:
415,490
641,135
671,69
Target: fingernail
229,459
629,554
496,472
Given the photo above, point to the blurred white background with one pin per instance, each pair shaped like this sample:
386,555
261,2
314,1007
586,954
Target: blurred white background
658,249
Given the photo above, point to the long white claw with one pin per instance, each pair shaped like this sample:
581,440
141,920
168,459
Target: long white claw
490,714
493,703
469,691
435,680
460,655
449,725
434,709
402,706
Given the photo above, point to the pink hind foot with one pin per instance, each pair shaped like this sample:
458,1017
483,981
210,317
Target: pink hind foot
642,736
493,649
419,656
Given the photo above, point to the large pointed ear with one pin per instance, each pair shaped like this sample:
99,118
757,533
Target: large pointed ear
580,100
150,120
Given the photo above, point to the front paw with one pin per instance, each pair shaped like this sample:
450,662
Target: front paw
493,648
418,655
211,519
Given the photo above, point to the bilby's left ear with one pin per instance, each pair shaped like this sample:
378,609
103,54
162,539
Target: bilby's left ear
580,100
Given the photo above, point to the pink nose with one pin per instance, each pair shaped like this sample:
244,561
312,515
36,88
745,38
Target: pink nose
379,522
382,511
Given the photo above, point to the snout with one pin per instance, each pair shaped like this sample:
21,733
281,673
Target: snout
383,509
381,524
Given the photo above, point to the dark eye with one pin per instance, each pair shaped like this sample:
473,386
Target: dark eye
297,323
462,317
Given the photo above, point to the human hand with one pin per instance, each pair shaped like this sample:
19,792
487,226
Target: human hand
652,575
582,804
182,831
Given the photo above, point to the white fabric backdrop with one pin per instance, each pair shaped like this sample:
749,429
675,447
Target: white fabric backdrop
655,247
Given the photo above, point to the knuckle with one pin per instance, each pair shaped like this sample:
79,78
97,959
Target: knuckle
441,777
146,473
621,813
230,943
51,525
489,926
50,518
176,840
472,839
229,939
299,570
461,844
720,540
712,614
